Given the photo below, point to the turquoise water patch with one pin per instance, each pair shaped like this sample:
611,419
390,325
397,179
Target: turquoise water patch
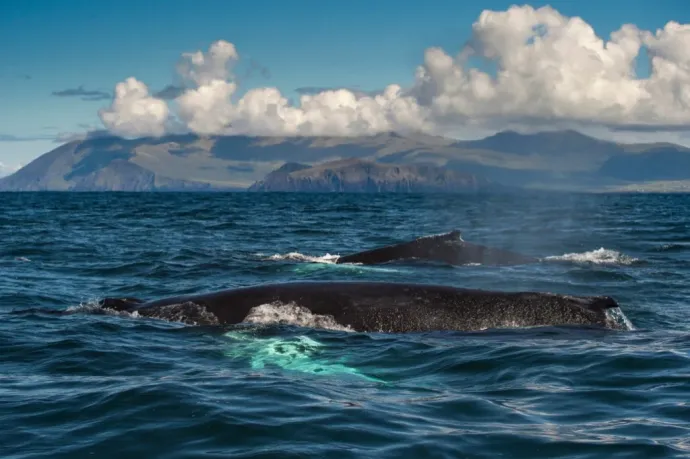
298,353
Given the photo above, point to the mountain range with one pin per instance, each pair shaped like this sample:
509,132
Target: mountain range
567,160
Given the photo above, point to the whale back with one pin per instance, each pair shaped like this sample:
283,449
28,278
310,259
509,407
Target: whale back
446,248
436,247
385,307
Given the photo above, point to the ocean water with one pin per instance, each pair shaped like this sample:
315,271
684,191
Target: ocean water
119,385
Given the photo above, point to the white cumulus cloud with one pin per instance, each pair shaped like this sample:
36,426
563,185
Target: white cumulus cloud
133,112
338,112
669,84
207,107
550,69
214,65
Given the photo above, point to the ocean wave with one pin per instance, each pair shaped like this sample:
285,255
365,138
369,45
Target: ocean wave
599,256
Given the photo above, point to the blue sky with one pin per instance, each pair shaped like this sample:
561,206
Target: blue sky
50,46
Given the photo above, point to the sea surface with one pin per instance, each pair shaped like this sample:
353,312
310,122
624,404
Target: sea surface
97,385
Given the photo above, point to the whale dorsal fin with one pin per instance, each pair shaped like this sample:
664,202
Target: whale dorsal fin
433,247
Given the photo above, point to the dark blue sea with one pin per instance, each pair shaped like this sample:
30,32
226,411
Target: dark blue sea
95,385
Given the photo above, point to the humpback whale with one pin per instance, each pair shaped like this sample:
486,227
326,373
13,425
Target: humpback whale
448,248
381,306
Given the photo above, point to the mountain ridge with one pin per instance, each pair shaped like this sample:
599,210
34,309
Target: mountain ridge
356,175
564,159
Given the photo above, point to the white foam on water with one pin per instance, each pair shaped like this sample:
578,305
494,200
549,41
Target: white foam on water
600,256
618,316
505,324
296,256
325,261
93,307
292,314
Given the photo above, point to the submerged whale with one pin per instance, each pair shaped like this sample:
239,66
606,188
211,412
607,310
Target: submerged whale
448,248
381,306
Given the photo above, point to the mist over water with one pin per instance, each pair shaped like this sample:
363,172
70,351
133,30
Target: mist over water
287,384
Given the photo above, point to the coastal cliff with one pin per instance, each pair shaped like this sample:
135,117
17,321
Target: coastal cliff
365,176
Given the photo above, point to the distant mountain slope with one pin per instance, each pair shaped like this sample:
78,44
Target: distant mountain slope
561,160
365,176
188,161
654,163
552,143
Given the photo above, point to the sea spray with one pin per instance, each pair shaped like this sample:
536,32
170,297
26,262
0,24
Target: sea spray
310,263
599,256
296,256
618,316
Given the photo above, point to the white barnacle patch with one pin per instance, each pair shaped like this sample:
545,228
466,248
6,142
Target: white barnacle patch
292,314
